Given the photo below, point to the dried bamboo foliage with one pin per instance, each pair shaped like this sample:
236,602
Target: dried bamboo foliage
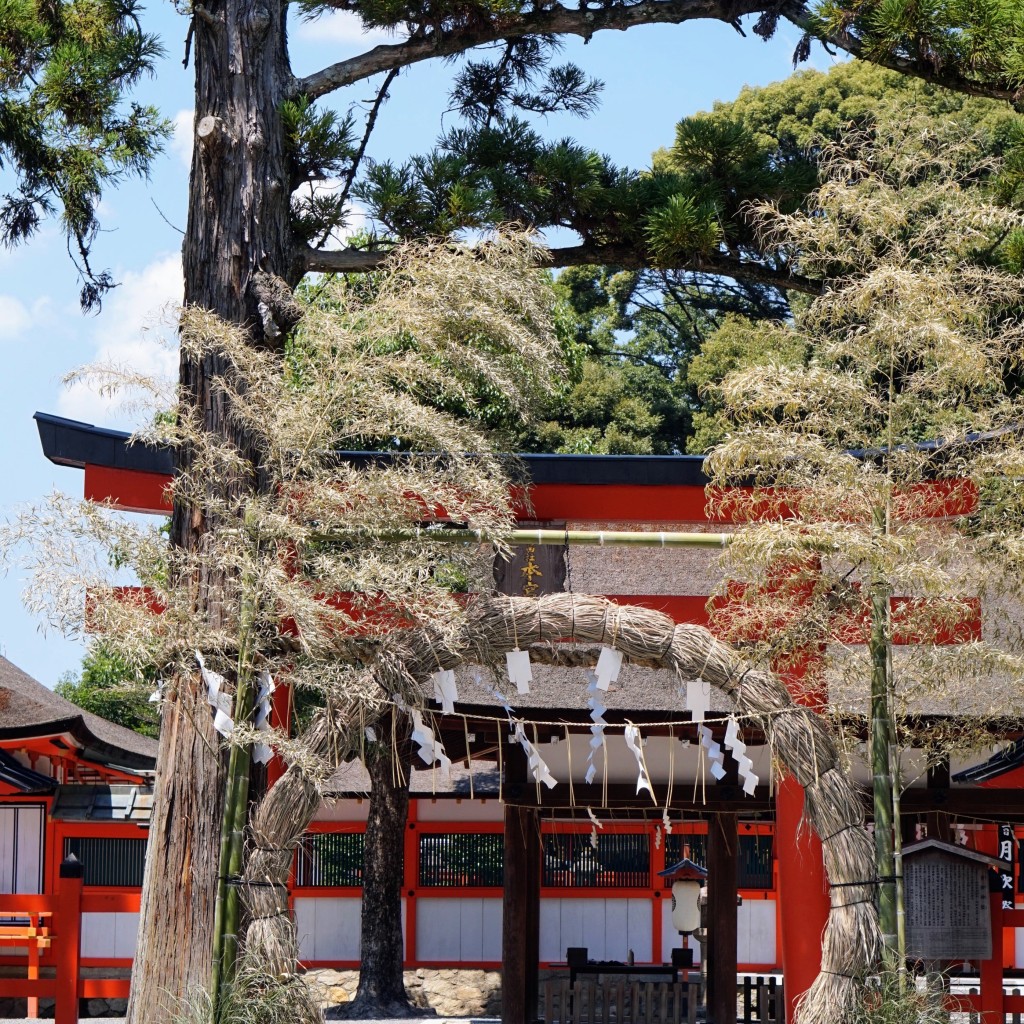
913,357
373,364
493,626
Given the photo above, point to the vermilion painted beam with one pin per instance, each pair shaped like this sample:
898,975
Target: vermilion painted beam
137,491
129,489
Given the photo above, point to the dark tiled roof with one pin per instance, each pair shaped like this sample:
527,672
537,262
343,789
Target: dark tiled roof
73,443
103,803
27,708
15,774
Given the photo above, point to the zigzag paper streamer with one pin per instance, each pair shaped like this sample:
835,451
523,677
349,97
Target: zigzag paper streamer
218,698
431,749
633,741
597,710
445,690
738,749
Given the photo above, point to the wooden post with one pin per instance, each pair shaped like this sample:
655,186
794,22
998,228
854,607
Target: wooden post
938,821
991,970
520,940
33,974
69,939
723,862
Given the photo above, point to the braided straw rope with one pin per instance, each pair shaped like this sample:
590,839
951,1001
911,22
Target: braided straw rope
800,740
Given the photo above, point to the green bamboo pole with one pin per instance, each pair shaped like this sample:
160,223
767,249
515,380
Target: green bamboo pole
881,757
593,538
232,836
234,820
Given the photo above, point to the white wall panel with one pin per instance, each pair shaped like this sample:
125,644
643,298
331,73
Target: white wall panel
608,928
491,948
109,935
21,849
755,928
458,930
8,821
328,928
755,933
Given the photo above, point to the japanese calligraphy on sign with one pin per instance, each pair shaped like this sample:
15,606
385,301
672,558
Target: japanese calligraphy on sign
1004,854
947,905
533,569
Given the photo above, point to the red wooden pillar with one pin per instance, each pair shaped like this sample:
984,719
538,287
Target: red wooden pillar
803,888
803,893
280,718
69,940
991,970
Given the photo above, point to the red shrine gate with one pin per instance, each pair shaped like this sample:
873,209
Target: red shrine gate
567,491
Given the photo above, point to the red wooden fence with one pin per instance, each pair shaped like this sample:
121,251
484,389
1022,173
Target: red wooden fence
63,937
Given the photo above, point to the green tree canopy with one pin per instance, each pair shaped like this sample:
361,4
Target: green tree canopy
67,127
683,323
110,687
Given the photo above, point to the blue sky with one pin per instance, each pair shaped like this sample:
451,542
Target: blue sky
652,75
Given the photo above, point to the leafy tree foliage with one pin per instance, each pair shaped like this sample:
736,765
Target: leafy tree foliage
688,324
67,129
110,687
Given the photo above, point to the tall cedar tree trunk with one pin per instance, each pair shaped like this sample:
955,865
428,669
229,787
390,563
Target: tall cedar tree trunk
381,991
238,226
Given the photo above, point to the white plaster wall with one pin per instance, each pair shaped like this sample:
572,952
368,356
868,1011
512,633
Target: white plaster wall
328,927
755,932
458,930
110,935
458,810
609,928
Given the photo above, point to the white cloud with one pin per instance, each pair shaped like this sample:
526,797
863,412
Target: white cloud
344,28
15,318
133,331
184,133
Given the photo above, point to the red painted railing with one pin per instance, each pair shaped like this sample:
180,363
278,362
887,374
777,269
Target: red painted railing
55,924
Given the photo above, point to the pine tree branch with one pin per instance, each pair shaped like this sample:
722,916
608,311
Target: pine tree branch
555,20
358,261
371,122
946,77
629,258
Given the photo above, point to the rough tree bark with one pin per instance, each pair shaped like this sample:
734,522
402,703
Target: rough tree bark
381,991
238,238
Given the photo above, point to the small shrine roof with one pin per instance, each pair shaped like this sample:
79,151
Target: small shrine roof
30,709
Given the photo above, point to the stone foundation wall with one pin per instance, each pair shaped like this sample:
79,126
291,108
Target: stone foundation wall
450,991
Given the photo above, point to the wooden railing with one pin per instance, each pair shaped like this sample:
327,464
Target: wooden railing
53,925
593,1000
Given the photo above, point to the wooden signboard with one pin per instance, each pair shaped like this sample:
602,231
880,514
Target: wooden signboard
946,894
533,569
